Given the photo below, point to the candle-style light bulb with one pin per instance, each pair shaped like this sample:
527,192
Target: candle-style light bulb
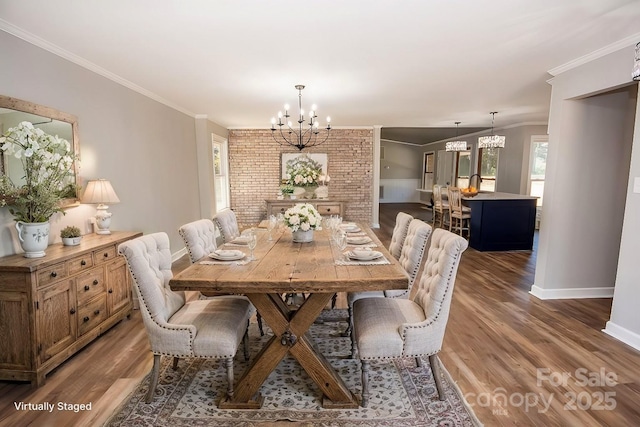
328,119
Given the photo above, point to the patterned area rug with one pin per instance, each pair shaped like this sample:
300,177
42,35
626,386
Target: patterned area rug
401,393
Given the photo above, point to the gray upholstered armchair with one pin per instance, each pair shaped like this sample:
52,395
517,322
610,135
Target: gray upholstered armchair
200,240
399,234
227,223
391,328
211,328
411,254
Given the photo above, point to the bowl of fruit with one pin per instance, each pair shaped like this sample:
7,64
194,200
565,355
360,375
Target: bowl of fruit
469,191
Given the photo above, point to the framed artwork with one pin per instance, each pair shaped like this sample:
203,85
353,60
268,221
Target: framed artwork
290,158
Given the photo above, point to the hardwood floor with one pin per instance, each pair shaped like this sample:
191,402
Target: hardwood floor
503,347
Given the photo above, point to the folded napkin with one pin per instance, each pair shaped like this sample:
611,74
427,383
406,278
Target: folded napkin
378,261
220,262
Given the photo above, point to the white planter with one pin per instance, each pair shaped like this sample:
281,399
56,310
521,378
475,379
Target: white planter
302,236
34,238
71,241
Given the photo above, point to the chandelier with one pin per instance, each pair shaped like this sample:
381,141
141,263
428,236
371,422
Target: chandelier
306,134
493,141
456,145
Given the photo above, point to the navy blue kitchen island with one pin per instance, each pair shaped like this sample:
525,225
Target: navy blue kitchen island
501,221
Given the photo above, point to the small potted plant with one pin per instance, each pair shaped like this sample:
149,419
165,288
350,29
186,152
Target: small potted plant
70,236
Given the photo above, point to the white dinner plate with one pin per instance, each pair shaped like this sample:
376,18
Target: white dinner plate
350,228
358,240
364,255
241,240
226,255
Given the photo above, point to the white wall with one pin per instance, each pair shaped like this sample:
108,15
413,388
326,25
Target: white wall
146,149
584,250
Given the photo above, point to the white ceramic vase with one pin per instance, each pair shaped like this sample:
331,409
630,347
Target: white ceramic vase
300,236
34,238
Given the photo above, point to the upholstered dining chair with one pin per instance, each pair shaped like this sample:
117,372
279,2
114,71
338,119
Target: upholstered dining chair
393,328
440,206
210,328
411,256
200,240
459,216
227,223
399,233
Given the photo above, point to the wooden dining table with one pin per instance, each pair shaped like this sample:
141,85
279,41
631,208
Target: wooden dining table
282,267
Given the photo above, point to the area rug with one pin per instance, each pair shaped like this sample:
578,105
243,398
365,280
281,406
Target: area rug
402,394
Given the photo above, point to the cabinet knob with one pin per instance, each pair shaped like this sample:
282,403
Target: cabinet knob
110,291
95,282
54,274
83,262
85,319
86,287
72,311
328,209
106,255
96,312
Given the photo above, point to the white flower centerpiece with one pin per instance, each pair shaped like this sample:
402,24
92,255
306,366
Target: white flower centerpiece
302,219
47,162
303,172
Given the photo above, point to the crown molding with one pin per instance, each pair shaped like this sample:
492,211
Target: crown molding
621,44
65,54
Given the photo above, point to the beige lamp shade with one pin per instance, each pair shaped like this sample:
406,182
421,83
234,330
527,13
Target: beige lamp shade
100,191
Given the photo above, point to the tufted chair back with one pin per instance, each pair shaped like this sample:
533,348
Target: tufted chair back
435,290
199,238
399,234
149,261
227,224
412,254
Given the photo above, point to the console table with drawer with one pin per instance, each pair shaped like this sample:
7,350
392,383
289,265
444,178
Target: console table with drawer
324,206
51,307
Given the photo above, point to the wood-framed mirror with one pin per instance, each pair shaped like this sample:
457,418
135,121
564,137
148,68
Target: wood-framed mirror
54,122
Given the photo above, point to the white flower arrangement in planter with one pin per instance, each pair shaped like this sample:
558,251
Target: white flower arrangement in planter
302,219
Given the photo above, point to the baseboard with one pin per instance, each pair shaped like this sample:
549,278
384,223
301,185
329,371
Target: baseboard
571,293
622,334
176,256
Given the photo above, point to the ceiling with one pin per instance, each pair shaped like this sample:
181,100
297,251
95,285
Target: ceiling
411,64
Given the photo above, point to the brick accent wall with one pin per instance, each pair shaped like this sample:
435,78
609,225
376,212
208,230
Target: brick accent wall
254,171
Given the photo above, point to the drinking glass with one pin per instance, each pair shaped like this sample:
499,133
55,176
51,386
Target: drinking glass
253,241
341,241
273,223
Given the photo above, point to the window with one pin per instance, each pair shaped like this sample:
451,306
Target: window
428,169
538,168
463,168
488,168
220,173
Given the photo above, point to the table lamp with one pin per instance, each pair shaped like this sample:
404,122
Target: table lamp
101,192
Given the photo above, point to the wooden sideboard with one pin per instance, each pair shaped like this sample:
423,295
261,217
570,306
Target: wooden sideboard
51,307
324,206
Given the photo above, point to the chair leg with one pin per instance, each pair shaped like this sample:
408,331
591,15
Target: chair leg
229,364
153,381
259,320
365,383
435,370
349,331
419,362
175,363
245,343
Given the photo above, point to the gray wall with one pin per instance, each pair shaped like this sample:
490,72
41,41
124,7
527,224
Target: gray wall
513,160
146,149
589,243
